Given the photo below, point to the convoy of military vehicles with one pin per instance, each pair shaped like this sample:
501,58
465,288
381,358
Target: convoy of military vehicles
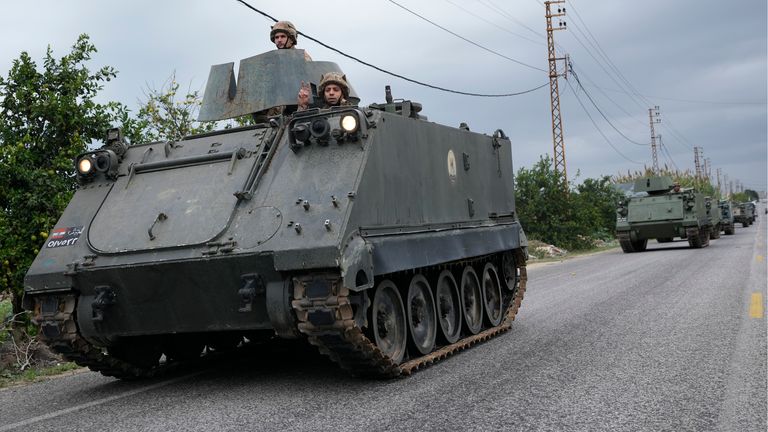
387,241
657,208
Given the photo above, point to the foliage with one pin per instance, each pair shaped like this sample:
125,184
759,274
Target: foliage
47,117
685,178
740,197
751,195
570,220
163,117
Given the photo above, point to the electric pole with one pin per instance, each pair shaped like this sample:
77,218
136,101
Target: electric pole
653,115
706,168
719,190
697,152
554,91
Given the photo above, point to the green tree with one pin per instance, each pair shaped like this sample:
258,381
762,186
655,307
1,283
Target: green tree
572,220
596,199
47,117
751,195
164,116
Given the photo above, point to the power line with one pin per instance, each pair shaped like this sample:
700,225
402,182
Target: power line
692,101
598,128
600,111
667,154
465,39
608,60
490,5
494,24
392,73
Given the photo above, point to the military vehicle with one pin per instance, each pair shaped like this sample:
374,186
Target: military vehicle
744,213
726,217
387,241
659,209
715,219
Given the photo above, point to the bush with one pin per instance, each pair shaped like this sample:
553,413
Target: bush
570,219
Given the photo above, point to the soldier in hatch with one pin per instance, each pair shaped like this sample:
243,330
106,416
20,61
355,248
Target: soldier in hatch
333,91
284,36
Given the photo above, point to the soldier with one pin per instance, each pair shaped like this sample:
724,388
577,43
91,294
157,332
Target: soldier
284,36
676,187
333,91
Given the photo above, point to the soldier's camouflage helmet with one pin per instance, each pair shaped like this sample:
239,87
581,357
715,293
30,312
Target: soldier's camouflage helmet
334,78
286,27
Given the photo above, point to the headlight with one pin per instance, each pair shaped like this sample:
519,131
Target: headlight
85,165
349,123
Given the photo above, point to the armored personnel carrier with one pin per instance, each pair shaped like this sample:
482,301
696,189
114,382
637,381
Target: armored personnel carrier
726,217
659,209
744,213
387,241
715,218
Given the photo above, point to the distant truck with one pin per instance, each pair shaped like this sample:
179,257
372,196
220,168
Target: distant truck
660,209
726,217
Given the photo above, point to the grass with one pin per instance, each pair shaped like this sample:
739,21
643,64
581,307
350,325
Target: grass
9,374
10,377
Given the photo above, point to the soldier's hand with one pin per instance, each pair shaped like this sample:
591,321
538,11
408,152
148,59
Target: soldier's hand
303,97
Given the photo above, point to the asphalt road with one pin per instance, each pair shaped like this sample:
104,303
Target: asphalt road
669,339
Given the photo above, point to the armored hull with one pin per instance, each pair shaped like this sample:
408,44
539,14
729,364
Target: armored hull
386,240
663,214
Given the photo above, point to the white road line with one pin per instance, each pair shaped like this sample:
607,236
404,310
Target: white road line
94,403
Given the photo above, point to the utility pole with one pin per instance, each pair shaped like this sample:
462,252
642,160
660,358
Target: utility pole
554,91
653,115
719,171
697,152
725,186
706,168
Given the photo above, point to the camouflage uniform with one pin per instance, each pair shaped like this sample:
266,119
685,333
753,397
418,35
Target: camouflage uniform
332,78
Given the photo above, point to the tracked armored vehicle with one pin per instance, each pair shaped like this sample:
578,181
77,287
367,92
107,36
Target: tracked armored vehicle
726,217
744,213
715,219
657,210
387,241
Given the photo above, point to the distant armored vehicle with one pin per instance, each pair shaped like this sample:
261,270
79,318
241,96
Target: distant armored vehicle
726,217
387,241
744,213
715,219
657,210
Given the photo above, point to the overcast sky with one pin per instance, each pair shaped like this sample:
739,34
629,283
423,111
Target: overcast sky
703,62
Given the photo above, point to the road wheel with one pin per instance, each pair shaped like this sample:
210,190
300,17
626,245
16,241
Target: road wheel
509,270
420,310
471,300
729,230
492,295
694,238
448,305
715,233
389,322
